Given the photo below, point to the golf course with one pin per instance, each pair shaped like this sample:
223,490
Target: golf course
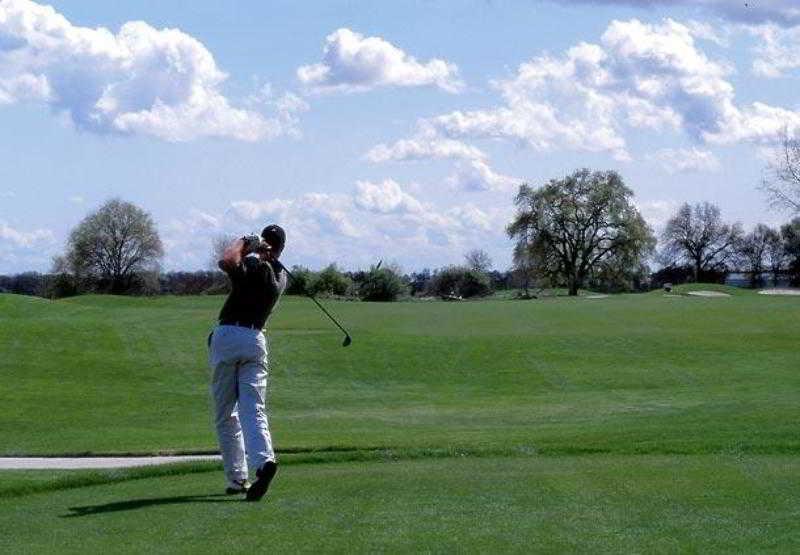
639,422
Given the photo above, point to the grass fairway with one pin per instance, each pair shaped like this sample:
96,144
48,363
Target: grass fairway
598,503
634,422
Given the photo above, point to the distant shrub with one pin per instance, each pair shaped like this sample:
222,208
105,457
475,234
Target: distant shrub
461,282
300,282
330,281
381,285
59,286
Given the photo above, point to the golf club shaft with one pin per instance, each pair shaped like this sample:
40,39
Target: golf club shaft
310,296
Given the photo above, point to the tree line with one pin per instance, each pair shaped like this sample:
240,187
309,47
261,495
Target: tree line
580,231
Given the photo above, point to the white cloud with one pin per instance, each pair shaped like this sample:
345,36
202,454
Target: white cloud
782,12
423,147
686,160
141,80
477,175
640,75
375,220
77,199
14,237
778,52
657,212
354,63
385,197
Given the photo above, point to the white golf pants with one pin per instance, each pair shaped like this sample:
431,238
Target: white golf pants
238,358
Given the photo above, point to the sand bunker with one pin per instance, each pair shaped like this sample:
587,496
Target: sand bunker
791,292
708,294
596,297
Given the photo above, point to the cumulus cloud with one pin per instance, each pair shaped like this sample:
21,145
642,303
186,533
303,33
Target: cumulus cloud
375,219
423,147
640,76
477,175
781,12
16,238
354,63
141,80
686,160
657,212
23,250
385,197
778,52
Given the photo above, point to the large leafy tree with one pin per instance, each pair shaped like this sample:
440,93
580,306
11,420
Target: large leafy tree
575,227
112,245
697,235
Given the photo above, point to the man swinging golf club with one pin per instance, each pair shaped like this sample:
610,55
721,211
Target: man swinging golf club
238,358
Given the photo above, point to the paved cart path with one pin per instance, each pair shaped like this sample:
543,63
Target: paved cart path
73,463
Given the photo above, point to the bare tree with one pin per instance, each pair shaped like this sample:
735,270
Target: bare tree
699,236
790,236
776,256
782,179
113,245
753,250
478,260
572,227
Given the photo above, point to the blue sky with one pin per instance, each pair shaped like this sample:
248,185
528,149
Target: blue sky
394,131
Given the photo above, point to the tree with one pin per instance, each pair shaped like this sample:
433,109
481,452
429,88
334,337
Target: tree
300,282
382,284
330,281
776,256
460,281
573,227
113,245
782,179
753,250
790,234
524,270
478,260
700,237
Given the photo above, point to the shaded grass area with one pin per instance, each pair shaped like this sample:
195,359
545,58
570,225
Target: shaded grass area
626,374
605,503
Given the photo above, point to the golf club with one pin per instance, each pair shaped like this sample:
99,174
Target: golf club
347,338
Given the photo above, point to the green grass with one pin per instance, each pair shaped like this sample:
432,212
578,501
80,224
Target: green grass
602,503
627,374
634,423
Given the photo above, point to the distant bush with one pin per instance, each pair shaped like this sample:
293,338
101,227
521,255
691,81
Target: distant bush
330,281
300,282
381,285
461,282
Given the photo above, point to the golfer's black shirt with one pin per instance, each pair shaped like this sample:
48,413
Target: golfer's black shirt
255,289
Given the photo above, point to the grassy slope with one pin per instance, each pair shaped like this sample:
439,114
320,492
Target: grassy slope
636,373
602,503
447,387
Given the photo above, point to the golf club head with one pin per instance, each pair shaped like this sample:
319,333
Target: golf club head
347,341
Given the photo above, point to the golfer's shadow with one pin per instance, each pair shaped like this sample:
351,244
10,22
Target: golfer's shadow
132,504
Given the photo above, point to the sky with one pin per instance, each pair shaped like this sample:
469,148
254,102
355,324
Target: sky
379,131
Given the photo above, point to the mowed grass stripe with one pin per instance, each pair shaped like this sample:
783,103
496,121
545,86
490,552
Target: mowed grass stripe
627,374
606,503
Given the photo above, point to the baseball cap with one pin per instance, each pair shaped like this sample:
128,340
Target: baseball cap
275,236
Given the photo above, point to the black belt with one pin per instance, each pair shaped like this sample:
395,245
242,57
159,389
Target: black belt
240,324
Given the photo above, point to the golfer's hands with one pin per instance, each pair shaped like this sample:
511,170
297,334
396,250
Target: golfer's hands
250,243
264,250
